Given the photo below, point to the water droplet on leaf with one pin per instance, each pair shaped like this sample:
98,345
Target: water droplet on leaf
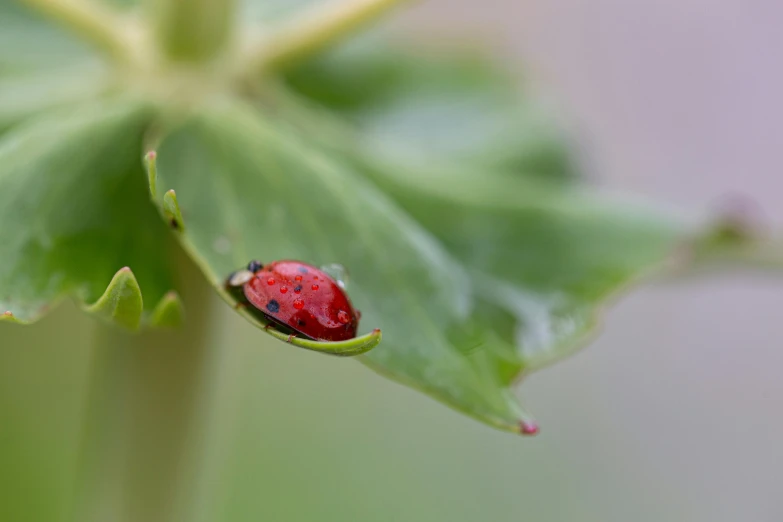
221,245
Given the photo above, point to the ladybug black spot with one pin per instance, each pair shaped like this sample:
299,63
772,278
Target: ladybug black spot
273,306
300,322
298,288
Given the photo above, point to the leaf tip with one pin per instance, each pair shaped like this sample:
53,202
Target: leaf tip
169,312
527,427
349,348
121,302
8,316
172,211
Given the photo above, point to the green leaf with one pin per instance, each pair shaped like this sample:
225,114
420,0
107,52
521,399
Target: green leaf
121,303
75,210
543,257
456,104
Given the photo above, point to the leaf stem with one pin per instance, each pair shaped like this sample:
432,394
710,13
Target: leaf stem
146,416
315,29
191,30
95,22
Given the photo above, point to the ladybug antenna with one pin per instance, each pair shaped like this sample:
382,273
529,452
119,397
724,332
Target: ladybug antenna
254,266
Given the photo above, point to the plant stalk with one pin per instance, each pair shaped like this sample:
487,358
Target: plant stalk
192,30
145,417
317,28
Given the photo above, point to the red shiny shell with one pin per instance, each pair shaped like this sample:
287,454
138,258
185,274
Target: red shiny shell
303,298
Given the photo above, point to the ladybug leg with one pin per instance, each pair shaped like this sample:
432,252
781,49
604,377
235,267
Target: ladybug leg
239,306
290,338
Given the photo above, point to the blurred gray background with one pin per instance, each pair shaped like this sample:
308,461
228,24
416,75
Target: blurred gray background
673,413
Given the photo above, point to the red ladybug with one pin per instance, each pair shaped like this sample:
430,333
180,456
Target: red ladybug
297,296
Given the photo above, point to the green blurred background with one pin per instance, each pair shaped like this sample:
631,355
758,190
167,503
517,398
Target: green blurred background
673,413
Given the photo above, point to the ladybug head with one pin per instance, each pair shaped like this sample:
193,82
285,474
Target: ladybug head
254,266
